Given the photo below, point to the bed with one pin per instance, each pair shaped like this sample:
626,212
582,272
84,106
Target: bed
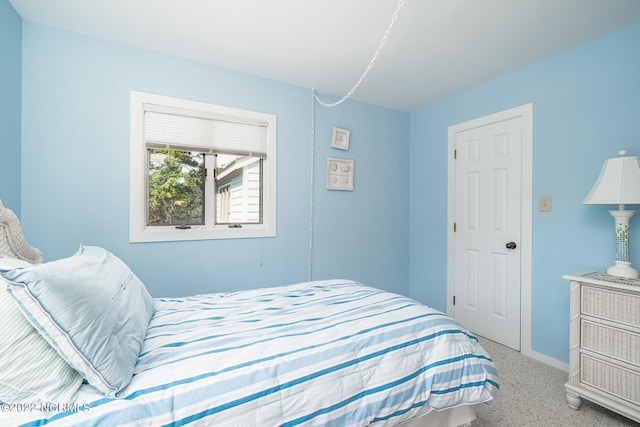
98,350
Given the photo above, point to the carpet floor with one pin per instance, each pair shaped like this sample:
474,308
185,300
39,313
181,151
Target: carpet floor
532,394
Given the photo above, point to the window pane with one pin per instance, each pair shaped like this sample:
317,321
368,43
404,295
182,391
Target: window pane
239,189
175,188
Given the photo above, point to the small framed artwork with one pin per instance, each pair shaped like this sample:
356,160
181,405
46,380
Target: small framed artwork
339,174
340,138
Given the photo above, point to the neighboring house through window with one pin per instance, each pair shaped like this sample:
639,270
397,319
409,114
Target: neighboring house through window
200,171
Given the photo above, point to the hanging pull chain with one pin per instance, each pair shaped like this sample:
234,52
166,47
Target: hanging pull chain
314,99
371,63
311,190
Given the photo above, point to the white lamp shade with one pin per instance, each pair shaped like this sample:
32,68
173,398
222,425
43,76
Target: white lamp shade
618,183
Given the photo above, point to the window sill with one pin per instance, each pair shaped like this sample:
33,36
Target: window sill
172,234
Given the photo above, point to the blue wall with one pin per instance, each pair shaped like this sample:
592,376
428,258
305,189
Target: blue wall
10,101
76,134
585,110
390,232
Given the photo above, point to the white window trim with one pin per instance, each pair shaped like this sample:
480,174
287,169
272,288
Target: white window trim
138,231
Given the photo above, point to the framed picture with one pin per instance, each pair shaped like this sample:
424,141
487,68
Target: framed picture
340,138
339,174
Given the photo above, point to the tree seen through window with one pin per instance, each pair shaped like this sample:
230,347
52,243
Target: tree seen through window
176,187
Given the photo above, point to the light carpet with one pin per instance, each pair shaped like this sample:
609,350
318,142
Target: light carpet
532,394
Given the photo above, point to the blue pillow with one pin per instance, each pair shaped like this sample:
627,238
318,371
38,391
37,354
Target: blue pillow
91,308
31,371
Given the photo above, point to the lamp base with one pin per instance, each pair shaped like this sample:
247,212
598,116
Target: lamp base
623,269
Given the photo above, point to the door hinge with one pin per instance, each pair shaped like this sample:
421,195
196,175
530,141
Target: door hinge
455,227
455,154
454,300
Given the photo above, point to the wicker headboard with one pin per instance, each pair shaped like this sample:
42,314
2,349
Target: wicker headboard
12,241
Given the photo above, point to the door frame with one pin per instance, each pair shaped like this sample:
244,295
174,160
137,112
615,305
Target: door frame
525,112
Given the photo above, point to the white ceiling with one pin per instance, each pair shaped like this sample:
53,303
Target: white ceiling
437,47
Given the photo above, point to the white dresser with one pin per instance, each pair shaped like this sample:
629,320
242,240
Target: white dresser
604,352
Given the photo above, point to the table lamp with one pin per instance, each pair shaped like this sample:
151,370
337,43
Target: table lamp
619,184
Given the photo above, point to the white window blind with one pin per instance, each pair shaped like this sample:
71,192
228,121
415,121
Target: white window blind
175,128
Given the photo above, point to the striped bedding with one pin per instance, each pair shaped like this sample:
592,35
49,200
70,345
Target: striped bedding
323,353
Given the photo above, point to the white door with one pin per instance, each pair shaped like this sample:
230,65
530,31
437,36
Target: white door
487,228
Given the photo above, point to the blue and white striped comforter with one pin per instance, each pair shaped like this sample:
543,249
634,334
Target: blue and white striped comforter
332,353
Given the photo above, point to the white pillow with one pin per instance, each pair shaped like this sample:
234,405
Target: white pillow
31,371
92,309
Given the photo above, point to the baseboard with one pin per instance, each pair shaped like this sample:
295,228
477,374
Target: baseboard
547,360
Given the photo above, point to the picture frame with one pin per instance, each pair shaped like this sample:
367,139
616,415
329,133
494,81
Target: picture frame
340,138
340,174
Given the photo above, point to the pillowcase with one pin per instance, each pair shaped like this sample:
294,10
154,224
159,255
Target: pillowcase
31,371
92,309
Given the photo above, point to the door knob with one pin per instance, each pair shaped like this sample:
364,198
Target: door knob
511,245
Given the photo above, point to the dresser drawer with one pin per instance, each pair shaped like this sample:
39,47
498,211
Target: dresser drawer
612,379
611,305
611,342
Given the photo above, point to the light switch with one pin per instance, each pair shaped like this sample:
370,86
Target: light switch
544,204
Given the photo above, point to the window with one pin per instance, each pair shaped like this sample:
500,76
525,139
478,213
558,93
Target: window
200,171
